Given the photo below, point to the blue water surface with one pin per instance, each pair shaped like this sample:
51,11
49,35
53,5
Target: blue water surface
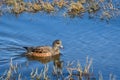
81,37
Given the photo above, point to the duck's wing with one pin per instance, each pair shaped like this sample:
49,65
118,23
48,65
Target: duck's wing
42,49
29,49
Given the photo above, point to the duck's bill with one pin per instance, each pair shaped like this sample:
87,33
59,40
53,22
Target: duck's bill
61,47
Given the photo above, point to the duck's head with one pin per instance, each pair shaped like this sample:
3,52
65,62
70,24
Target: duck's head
57,44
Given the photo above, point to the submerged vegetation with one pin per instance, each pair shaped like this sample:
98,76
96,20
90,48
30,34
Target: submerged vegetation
105,9
60,70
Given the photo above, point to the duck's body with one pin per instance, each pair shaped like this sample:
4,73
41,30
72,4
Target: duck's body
44,51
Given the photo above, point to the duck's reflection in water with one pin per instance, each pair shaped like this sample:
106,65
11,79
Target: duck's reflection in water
45,60
57,64
57,68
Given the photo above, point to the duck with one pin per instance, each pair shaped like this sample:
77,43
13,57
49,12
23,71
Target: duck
44,51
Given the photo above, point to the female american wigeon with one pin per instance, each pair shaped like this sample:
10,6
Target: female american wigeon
44,51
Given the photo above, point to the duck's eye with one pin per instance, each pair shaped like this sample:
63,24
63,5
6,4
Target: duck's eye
58,43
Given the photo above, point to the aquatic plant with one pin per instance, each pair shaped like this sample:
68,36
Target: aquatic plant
60,3
75,71
111,76
109,10
0,11
75,8
18,7
80,72
9,74
105,10
47,7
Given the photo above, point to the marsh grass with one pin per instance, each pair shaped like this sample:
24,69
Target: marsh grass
105,9
61,71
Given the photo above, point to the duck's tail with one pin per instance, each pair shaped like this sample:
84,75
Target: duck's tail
29,49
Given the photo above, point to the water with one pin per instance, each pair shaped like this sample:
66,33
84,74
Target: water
80,37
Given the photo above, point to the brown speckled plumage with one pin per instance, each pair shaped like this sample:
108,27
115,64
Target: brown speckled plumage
44,51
